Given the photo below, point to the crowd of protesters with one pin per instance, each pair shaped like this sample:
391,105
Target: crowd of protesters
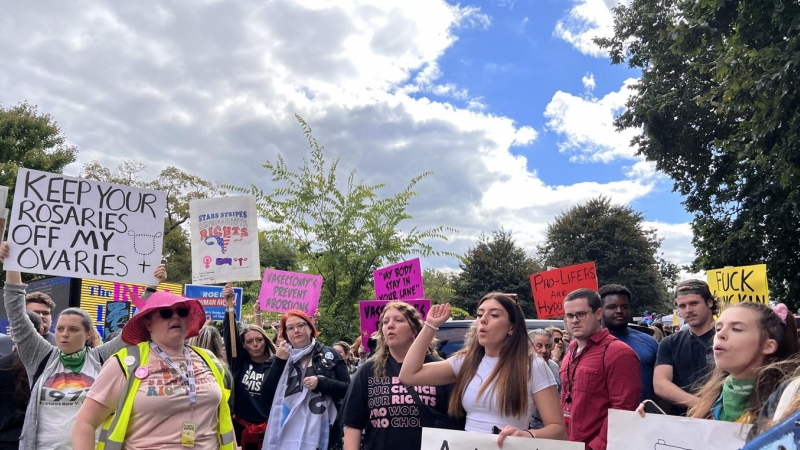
170,379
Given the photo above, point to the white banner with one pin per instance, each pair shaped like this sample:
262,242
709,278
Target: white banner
224,240
72,227
439,439
627,430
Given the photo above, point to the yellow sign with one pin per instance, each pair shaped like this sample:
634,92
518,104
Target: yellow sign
732,285
95,294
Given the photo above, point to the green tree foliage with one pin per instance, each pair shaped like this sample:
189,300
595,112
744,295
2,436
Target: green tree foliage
718,106
623,251
180,188
496,264
439,285
341,232
31,140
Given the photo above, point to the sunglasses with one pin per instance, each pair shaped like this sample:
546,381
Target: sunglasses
168,313
557,340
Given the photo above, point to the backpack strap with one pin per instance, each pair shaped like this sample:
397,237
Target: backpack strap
41,367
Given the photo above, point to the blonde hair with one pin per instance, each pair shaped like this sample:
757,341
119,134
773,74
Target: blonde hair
209,339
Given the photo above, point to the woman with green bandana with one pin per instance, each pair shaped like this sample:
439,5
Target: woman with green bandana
60,376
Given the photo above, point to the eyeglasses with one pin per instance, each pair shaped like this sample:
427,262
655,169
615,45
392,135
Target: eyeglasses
580,315
299,327
557,340
168,313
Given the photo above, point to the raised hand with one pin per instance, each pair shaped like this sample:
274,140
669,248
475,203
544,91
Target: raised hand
228,295
438,314
161,273
4,251
282,351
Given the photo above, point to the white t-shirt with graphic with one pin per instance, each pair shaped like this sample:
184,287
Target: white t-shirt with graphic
483,413
60,398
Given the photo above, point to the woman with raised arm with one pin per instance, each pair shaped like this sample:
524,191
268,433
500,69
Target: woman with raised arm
253,349
60,375
488,393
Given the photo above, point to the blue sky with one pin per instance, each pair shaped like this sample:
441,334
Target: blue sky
507,102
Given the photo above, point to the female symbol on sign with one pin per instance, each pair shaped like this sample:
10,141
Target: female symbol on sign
144,244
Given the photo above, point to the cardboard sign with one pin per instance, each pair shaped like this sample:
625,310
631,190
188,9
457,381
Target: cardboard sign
371,313
401,281
550,287
627,430
211,299
224,240
282,291
739,284
117,315
85,229
96,294
441,439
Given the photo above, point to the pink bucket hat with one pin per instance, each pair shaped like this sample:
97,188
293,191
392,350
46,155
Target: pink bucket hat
135,331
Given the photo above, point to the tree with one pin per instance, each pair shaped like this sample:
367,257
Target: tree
439,285
180,188
496,264
31,140
341,234
718,107
623,251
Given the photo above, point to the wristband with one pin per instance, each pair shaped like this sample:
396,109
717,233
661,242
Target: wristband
150,289
529,432
258,314
431,326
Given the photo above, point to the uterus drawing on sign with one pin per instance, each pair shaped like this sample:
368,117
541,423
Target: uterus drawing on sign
222,241
145,245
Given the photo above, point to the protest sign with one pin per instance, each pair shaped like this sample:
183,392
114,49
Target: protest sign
399,282
282,291
626,430
732,285
550,287
117,315
80,228
96,294
211,299
224,240
371,312
442,439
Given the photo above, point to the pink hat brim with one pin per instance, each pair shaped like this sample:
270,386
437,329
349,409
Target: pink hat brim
135,331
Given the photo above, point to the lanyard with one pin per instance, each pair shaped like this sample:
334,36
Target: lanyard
571,374
188,377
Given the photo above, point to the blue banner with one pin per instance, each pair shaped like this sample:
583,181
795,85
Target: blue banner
211,298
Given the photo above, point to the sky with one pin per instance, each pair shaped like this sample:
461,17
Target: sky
509,103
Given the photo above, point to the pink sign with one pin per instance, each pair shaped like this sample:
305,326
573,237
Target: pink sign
401,281
371,315
282,291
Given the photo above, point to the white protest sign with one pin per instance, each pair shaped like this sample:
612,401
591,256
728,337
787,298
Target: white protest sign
68,226
441,439
627,430
224,240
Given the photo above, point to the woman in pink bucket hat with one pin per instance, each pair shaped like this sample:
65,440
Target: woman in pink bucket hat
162,392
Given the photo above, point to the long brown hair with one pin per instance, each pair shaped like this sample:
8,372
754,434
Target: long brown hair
381,355
508,381
768,376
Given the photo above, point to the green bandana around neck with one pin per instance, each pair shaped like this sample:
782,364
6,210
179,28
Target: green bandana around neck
73,361
735,398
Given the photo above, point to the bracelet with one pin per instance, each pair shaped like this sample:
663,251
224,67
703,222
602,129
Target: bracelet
431,327
258,314
529,432
150,289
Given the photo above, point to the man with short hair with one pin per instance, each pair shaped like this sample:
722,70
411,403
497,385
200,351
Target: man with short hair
616,301
41,304
542,342
598,373
684,358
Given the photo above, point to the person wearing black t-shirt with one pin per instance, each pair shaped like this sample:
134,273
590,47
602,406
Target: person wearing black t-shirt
249,367
378,407
686,357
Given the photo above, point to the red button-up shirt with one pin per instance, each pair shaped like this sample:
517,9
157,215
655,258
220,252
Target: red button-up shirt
604,374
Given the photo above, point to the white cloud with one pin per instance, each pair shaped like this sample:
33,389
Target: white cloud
587,125
587,20
588,82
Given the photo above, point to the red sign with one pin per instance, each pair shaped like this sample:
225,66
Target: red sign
550,288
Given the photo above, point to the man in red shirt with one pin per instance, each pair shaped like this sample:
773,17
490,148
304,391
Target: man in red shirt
598,372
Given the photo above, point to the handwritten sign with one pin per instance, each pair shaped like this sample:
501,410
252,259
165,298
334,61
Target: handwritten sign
550,287
224,240
211,299
739,284
85,229
371,312
627,430
282,291
401,281
441,439
117,315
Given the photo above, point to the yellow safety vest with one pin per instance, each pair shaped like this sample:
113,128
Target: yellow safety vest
112,436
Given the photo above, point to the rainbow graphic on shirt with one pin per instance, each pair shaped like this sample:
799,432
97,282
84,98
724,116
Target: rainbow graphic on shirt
68,381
